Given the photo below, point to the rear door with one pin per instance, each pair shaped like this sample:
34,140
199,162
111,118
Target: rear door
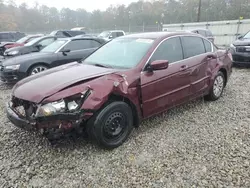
165,88
79,49
196,57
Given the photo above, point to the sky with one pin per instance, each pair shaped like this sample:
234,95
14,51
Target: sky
88,5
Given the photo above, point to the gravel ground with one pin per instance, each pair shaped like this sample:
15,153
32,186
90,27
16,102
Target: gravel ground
200,144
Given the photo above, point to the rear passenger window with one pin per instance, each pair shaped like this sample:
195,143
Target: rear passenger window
170,50
193,46
94,44
208,46
119,34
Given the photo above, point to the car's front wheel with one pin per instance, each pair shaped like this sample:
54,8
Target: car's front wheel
112,125
217,87
37,68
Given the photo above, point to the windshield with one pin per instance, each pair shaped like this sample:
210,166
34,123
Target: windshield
247,36
104,34
30,43
121,53
53,47
22,40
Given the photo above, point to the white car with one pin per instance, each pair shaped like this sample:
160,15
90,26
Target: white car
109,35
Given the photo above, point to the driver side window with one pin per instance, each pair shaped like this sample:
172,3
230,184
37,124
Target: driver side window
46,42
170,50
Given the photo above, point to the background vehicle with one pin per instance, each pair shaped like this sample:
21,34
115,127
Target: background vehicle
240,50
66,33
10,36
109,93
34,45
58,53
204,32
20,42
108,35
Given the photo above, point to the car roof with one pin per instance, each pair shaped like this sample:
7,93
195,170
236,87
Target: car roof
157,35
79,37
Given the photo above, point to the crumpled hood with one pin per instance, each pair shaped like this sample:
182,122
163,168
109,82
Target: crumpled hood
42,85
242,42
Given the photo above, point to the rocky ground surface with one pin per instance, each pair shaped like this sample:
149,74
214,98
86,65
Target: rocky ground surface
200,144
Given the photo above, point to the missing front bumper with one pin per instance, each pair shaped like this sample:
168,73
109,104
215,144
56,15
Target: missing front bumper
52,127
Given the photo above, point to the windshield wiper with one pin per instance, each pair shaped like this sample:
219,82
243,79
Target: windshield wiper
101,65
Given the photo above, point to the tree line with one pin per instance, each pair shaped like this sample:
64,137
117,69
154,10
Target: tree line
41,18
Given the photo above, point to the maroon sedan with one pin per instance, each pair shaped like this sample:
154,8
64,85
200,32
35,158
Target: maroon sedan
22,41
126,80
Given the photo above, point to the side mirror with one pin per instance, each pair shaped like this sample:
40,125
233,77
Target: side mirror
38,46
158,65
110,37
65,51
239,37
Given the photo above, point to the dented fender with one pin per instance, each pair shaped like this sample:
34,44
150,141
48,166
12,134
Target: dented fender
101,90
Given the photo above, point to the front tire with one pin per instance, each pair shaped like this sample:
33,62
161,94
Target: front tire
217,88
111,127
37,68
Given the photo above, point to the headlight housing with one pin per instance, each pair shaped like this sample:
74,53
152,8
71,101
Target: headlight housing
232,46
12,67
69,104
51,108
15,52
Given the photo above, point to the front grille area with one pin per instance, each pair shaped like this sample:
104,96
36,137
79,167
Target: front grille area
24,108
239,58
243,49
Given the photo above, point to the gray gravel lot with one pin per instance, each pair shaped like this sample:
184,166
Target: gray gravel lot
201,144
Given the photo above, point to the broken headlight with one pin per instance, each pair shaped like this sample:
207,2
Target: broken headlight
51,108
68,104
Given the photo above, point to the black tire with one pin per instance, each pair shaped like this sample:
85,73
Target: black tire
35,67
100,126
213,96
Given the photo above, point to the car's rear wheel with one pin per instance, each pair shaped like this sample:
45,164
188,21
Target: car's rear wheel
112,125
37,68
217,87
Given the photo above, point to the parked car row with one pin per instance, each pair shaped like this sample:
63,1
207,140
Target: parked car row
106,88
240,50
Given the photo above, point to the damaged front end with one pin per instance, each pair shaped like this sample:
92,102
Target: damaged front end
53,119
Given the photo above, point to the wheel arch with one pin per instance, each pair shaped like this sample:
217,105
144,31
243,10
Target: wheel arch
224,71
36,64
114,97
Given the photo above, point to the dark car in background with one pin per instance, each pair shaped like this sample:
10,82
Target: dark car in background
20,42
66,33
126,80
11,36
34,45
60,52
240,50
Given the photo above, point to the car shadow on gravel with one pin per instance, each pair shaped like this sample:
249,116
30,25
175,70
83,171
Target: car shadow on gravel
5,86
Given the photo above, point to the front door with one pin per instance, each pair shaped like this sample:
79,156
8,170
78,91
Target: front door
163,89
79,49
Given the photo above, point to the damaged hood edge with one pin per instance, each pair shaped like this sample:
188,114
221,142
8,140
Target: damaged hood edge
39,88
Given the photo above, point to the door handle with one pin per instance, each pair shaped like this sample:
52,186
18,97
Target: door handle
183,68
